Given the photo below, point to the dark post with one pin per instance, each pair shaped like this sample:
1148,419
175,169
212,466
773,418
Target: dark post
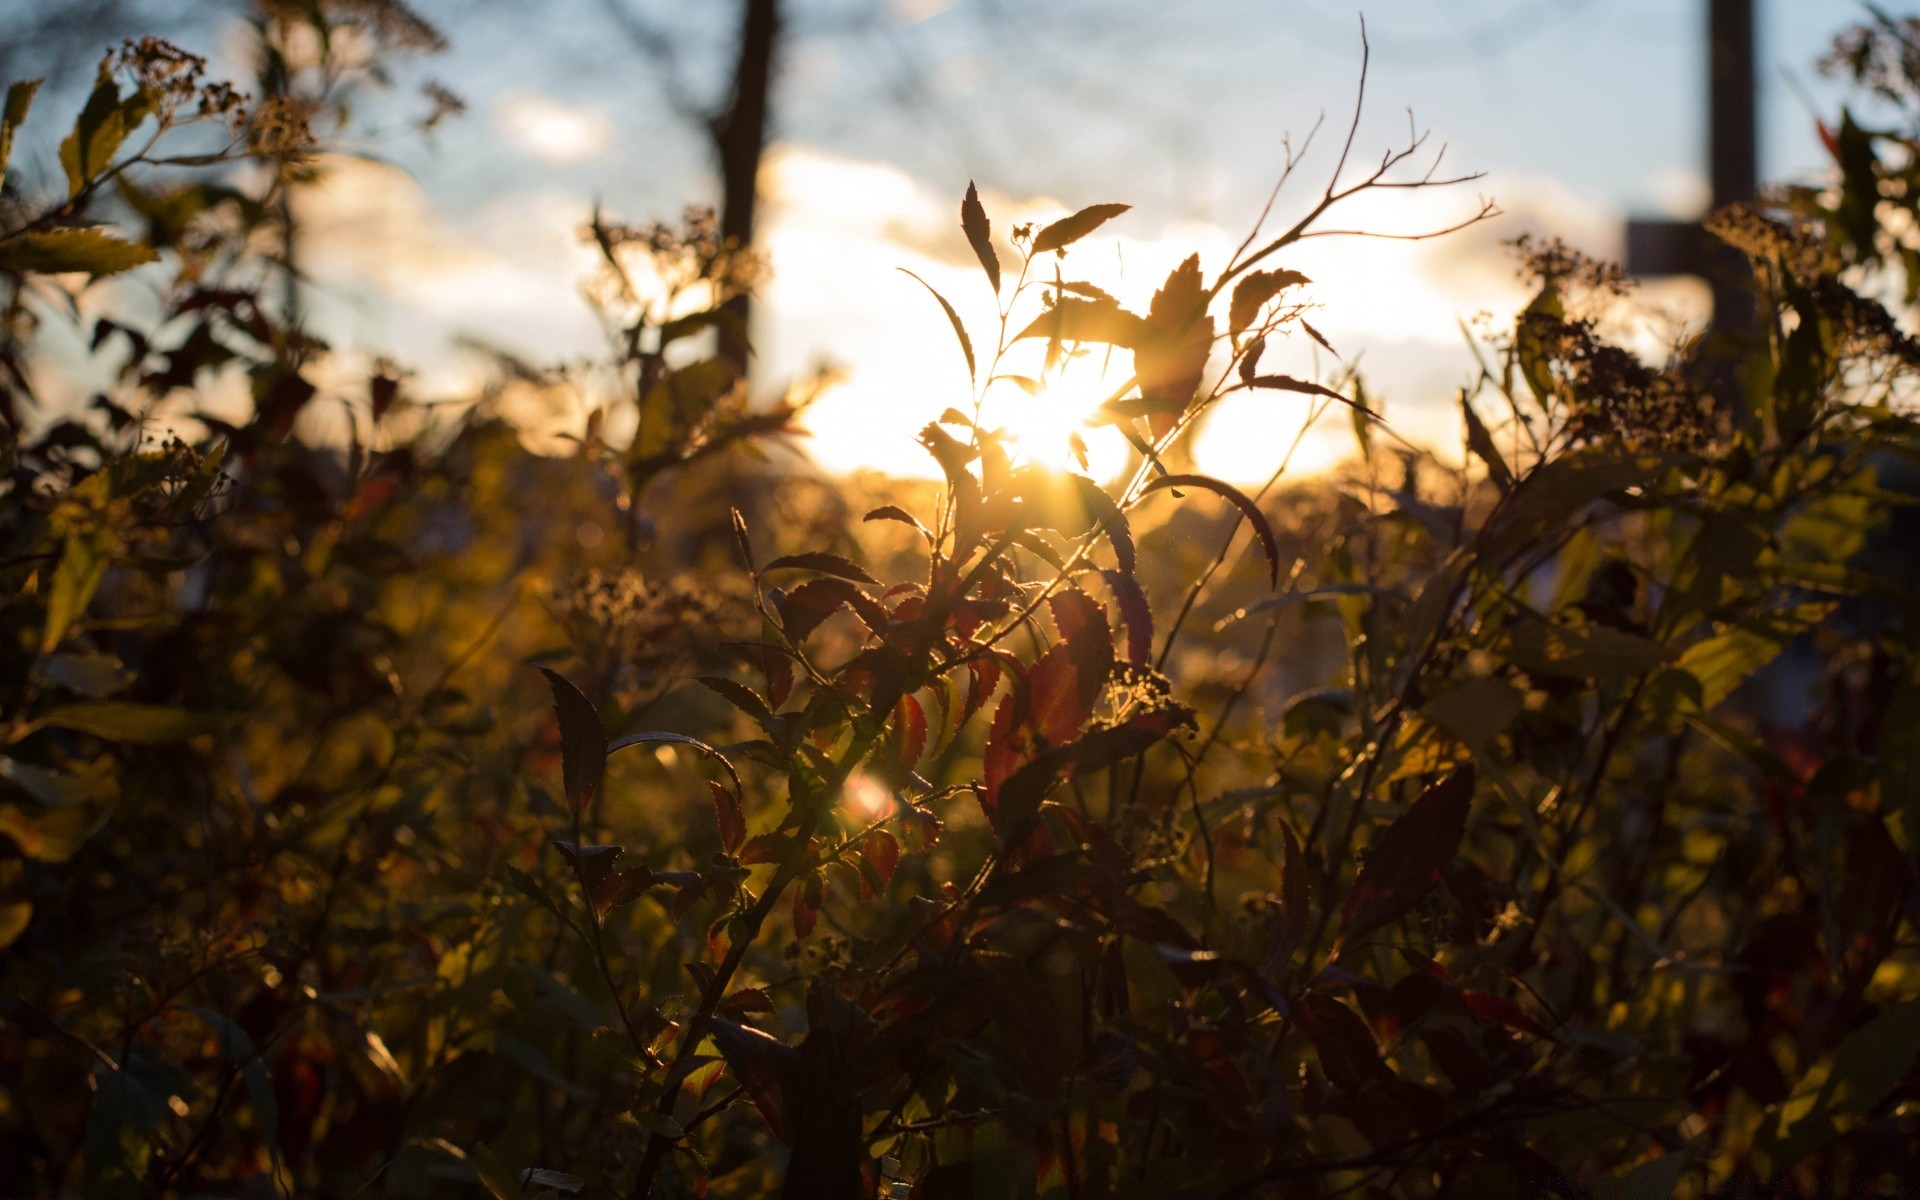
1732,148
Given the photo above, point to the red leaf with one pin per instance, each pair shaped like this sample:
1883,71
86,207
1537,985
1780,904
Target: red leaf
1409,859
805,913
1345,1045
881,853
1489,1007
805,607
727,815
1135,612
762,1063
583,740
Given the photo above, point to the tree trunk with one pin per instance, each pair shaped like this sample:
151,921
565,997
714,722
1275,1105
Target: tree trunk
740,138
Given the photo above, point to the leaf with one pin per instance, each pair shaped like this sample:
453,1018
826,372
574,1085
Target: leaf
1490,1007
1175,340
1347,1051
762,1063
805,607
1847,1085
1234,496
52,836
1100,321
1476,710
1553,494
1135,613
240,1053
558,1180
1068,230
728,816
83,564
1481,443
1287,383
19,100
50,788
740,696
97,134
1319,337
1253,291
826,564
583,740
495,1176
122,721
1409,859
959,330
881,853
974,223
893,512
660,1124
677,739
54,251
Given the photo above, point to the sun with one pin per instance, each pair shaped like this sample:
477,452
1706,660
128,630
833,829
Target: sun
1043,425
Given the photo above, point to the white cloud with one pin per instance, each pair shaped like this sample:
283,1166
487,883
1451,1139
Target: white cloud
553,130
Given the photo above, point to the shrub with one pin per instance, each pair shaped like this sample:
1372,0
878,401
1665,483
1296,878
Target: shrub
1450,840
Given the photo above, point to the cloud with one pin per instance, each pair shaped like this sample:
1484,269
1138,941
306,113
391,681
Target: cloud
553,130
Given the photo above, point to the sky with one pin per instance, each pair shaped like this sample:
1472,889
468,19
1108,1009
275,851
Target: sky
1578,113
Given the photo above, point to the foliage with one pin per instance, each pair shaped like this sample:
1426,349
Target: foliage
1461,838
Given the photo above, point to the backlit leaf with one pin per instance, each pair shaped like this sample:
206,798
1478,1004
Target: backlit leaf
974,223
1251,294
1409,859
53,251
1263,531
959,330
1068,230
826,564
583,740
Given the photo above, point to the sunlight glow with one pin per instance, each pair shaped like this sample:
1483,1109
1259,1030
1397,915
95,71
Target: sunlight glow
867,797
1043,426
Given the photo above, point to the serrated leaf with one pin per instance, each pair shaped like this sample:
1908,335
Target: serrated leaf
826,564
1253,292
974,223
1068,230
583,740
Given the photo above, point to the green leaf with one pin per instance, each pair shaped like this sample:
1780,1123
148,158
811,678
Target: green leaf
1846,1086
494,1175
53,251
660,1123
50,788
102,126
119,1136
1476,711
239,1051
1068,230
19,100
1480,441
1723,662
959,330
123,721
1554,494
583,740
83,563
973,222
49,836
